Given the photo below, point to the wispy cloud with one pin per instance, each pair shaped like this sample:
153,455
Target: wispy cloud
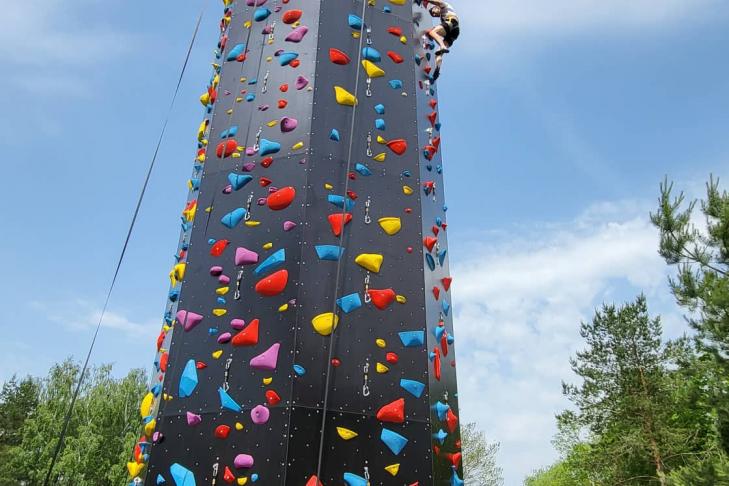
519,300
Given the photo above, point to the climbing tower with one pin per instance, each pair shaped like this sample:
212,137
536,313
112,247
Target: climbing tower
308,336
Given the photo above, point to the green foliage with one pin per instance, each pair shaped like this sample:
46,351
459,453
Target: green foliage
101,432
479,458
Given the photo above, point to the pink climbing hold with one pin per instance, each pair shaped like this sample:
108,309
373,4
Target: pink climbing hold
243,461
260,415
244,256
289,225
288,124
224,280
215,271
237,324
188,319
266,360
301,82
193,419
297,35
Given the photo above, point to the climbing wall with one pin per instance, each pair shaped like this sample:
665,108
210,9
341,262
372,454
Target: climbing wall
307,338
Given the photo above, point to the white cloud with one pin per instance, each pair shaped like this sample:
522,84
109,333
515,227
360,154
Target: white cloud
519,299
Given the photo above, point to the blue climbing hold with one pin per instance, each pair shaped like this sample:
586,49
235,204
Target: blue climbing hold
380,124
227,402
160,479
456,480
194,184
182,476
286,57
330,253
431,261
441,409
395,84
341,201
268,147
362,169
371,54
250,97
299,370
334,135
230,132
394,441
350,302
354,480
354,22
233,218
441,256
188,380
387,9
235,52
438,332
412,339
440,436
238,181
446,306
380,109
273,261
261,14
415,388
450,339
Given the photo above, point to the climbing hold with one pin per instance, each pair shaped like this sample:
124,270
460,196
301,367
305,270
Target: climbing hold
354,480
335,221
381,368
274,284
325,324
268,147
338,57
393,412
372,70
344,97
226,401
412,339
380,124
301,82
380,157
381,343
193,419
233,218
391,226
349,303
407,190
429,242
248,336
396,84
415,388
371,54
341,202
222,431
291,16
451,421
398,146
286,58
281,199
346,434
362,169
243,461
145,408
237,53
393,469
266,360
188,319
394,441
181,475
329,252
299,370
446,283
382,298
297,35
238,181
370,261
261,14
244,256
334,135
260,415
227,148
288,124
277,259
354,22
289,225
396,58
229,132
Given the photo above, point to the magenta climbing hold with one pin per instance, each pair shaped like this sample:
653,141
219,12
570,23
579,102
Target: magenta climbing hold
289,225
243,461
260,415
188,319
193,419
266,360
288,124
237,324
297,35
301,82
244,256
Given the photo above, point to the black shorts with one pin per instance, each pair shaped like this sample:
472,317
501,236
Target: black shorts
452,31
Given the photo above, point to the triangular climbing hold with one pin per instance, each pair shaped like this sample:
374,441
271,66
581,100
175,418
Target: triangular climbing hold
188,380
393,469
344,97
182,476
415,388
188,319
346,434
382,298
372,69
335,221
274,284
446,283
314,481
391,226
392,412
398,146
429,242
267,360
338,57
227,402
394,441
370,261
248,336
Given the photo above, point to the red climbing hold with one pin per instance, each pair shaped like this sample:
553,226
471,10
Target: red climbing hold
282,104
272,398
248,336
433,103
393,412
336,362
398,146
436,363
396,58
219,247
335,221
392,358
451,421
267,162
274,284
222,431
264,182
382,298
295,63
436,293
163,360
446,281
456,459
281,199
444,343
283,88
228,476
161,339
429,242
338,57
433,117
200,365
396,31
435,230
291,16
226,148
314,481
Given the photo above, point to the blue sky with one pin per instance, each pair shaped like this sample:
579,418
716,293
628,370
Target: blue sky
560,119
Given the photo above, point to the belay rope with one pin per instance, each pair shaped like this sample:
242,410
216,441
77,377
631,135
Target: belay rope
140,199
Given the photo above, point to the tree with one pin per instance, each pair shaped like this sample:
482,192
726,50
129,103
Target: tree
18,402
700,255
101,433
479,458
628,406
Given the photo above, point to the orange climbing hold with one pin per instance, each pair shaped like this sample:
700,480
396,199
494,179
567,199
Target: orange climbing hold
429,242
281,199
248,336
291,16
396,31
398,146
338,57
337,222
314,481
219,247
396,58
382,298
393,412
274,284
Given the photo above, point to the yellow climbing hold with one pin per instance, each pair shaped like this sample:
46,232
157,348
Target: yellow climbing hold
238,426
239,99
220,312
328,186
404,40
398,2
134,468
346,434
235,155
370,261
229,111
272,123
325,323
391,226
205,99
166,397
269,59
298,146
267,246
380,157
344,97
201,130
145,408
149,427
393,469
243,480
222,290
283,308
243,79
407,190
268,380
381,368
380,343
381,140
208,209
217,354
401,299
216,80
177,273
252,223
247,24
372,69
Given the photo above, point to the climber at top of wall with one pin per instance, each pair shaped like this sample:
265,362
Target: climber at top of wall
444,34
